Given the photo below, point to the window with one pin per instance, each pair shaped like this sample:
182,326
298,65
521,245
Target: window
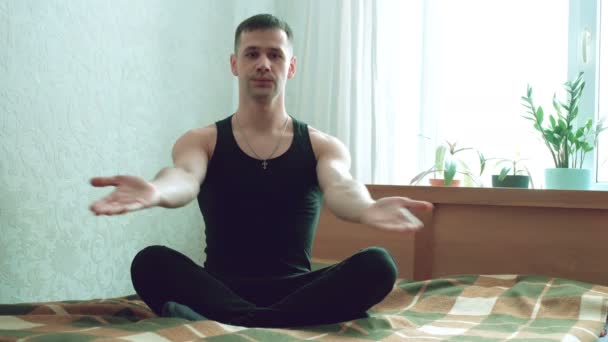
479,57
602,150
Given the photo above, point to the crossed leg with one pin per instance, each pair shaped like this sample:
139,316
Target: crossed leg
337,293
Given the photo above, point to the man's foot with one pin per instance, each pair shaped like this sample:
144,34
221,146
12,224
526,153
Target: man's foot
173,309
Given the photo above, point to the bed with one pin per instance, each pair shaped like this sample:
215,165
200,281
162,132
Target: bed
490,265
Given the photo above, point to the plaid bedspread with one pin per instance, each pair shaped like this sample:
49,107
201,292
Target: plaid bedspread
463,308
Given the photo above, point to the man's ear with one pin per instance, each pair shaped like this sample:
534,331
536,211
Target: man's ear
292,67
235,72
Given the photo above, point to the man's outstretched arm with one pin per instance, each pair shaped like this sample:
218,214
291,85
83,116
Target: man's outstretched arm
172,187
350,200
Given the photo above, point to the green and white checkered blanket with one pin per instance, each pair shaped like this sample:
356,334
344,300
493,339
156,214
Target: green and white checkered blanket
462,308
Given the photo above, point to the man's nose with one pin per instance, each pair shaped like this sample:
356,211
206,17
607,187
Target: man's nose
263,64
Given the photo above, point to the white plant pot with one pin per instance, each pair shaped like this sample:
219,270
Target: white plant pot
568,179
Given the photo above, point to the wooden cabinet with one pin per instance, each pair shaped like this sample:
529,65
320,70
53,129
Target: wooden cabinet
559,233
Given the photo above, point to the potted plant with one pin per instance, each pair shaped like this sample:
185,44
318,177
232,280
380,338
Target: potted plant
567,142
513,174
447,165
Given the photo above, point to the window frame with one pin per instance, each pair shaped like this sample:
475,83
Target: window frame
585,15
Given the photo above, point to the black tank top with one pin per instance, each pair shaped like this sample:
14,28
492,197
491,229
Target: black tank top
260,223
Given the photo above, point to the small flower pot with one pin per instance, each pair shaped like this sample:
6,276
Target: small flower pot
441,182
511,181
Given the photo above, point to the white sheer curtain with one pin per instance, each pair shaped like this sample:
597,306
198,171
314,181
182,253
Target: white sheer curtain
392,79
359,80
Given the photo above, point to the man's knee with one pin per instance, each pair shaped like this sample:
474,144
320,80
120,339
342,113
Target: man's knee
379,264
147,259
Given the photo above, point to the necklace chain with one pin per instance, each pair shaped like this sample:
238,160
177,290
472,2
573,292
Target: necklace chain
264,160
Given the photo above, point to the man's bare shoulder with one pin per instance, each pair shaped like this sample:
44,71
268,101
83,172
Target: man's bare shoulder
205,133
323,143
319,137
203,137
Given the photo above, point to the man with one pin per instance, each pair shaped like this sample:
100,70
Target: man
258,176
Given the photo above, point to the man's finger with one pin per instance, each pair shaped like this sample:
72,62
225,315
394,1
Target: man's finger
133,206
104,181
418,205
111,209
413,220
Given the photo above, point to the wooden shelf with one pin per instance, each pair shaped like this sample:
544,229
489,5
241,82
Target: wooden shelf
499,196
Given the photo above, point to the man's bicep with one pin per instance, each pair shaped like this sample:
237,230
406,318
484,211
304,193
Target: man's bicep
190,155
333,165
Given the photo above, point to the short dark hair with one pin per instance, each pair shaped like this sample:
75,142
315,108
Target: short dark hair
261,22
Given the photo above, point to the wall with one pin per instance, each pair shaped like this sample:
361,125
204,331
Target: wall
91,88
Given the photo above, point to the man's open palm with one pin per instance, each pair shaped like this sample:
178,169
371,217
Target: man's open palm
131,193
395,214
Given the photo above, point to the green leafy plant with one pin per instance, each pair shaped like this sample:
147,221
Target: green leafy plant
567,143
448,164
512,167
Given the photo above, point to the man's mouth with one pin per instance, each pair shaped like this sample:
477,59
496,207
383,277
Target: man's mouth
262,81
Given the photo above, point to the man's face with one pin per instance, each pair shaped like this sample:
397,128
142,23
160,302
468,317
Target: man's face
263,63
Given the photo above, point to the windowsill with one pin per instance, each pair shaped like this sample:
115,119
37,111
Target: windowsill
600,187
591,199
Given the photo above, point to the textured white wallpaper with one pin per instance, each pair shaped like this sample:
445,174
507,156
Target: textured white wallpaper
91,88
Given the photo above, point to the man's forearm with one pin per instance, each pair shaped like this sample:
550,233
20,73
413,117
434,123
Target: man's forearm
348,199
176,187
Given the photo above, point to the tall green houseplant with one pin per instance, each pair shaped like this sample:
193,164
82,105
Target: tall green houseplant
567,143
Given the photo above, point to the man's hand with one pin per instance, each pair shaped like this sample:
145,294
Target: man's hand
131,193
395,214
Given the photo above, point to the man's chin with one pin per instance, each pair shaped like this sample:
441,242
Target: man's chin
260,94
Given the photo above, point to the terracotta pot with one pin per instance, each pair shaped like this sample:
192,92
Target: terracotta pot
441,182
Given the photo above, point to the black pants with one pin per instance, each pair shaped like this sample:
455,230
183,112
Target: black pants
337,293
